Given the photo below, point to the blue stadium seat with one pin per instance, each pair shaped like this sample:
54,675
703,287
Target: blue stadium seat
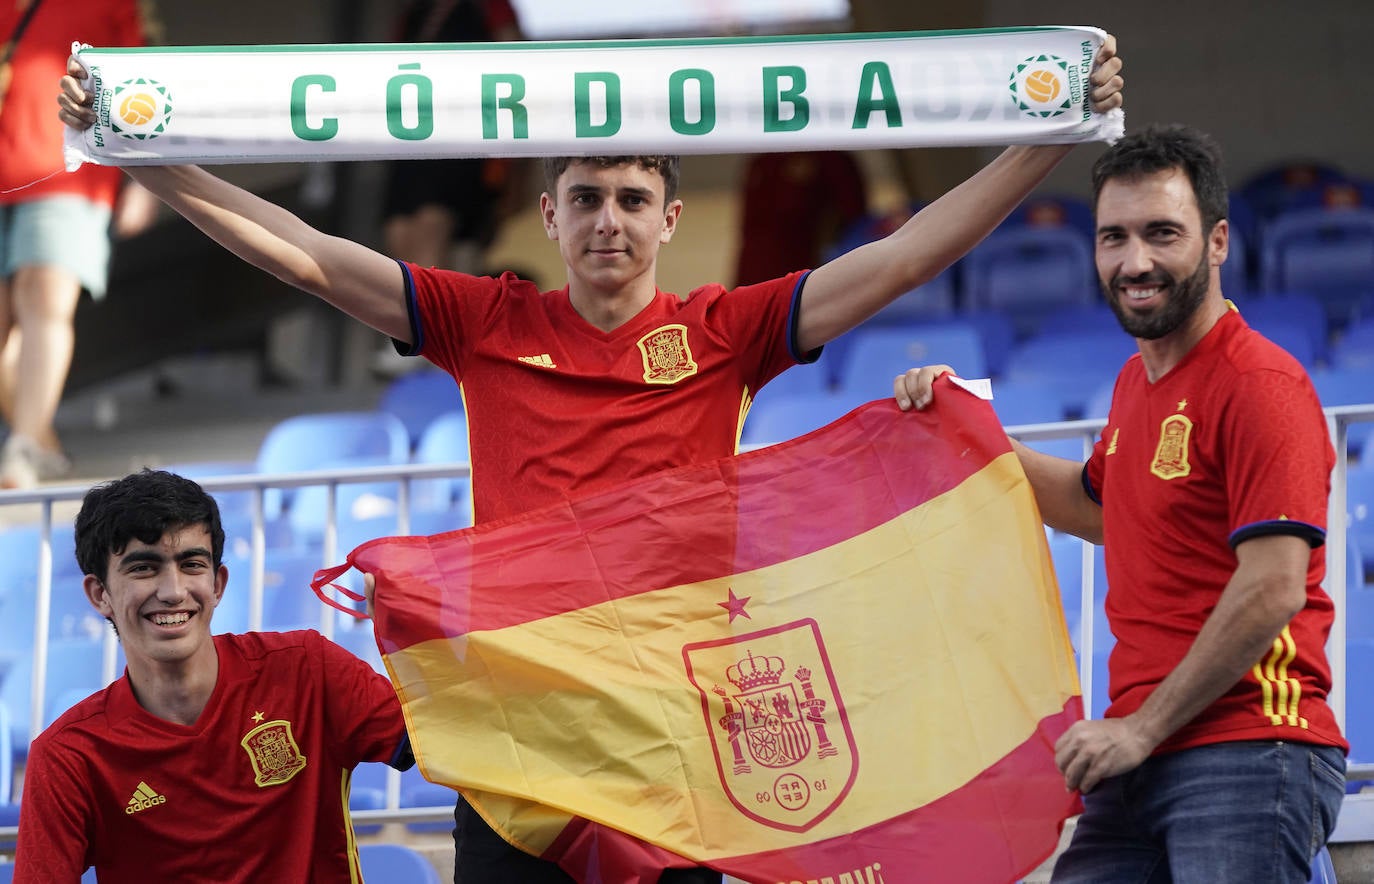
936,299
1359,503
1360,443
1068,449
1327,253
817,377
395,864
1359,597
877,355
360,798
1078,318
1275,190
1066,552
1020,403
1239,272
1268,310
1359,711
6,756
75,667
1052,210
418,792
1077,365
1293,338
445,441
1343,386
999,337
1354,349
288,602
1100,402
360,640
318,441
418,397
1025,271
362,511
785,417
70,614
9,818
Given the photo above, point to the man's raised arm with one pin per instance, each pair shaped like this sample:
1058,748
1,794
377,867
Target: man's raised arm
848,290
361,282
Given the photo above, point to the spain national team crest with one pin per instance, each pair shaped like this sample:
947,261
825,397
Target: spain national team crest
272,749
783,746
667,356
1171,454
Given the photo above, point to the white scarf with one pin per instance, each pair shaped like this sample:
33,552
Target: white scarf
687,96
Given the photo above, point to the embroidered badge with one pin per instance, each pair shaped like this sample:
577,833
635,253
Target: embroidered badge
1171,455
273,751
667,356
783,746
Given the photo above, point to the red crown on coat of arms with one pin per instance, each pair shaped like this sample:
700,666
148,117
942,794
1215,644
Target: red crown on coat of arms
752,672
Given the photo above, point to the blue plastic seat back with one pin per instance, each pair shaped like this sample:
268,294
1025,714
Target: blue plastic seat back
1272,191
418,397
1354,349
1052,210
74,671
1300,310
305,441
395,864
1076,365
1359,712
937,299
1026,271
318,441
445,441
1095,318
877,355
1359,503
1022,403
1327,252
1344,386
780,418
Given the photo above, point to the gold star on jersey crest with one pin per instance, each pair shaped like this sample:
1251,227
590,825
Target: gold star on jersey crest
258,717
1182,404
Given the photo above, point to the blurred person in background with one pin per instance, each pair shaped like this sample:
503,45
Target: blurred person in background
42,214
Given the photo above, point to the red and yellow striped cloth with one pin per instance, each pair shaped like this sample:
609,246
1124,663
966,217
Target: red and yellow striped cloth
840,658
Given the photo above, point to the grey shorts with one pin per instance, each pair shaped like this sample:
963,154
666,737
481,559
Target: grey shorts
70,233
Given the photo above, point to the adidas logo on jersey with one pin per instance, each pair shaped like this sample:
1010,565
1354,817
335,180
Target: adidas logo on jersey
543,360
143,798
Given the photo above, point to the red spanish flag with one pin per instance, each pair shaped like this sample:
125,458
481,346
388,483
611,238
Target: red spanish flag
840,658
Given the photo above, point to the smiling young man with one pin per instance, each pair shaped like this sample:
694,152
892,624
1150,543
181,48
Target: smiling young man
609,378
1219,759
214,758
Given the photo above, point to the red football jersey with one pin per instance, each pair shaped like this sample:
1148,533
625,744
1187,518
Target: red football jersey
256,790
557,407
1229,445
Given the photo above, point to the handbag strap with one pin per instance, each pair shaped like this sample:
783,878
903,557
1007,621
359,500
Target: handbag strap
19,29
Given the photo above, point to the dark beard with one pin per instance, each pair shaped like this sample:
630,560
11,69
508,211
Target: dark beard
1182,300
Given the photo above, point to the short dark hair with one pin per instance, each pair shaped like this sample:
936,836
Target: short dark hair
1158,148
143,506
667,165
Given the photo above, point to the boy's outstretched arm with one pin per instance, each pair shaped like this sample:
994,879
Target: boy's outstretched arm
361,282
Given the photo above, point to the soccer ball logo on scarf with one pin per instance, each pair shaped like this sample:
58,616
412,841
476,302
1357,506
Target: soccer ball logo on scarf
140,109
1039,86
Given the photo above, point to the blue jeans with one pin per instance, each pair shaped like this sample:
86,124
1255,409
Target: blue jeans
1230,813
